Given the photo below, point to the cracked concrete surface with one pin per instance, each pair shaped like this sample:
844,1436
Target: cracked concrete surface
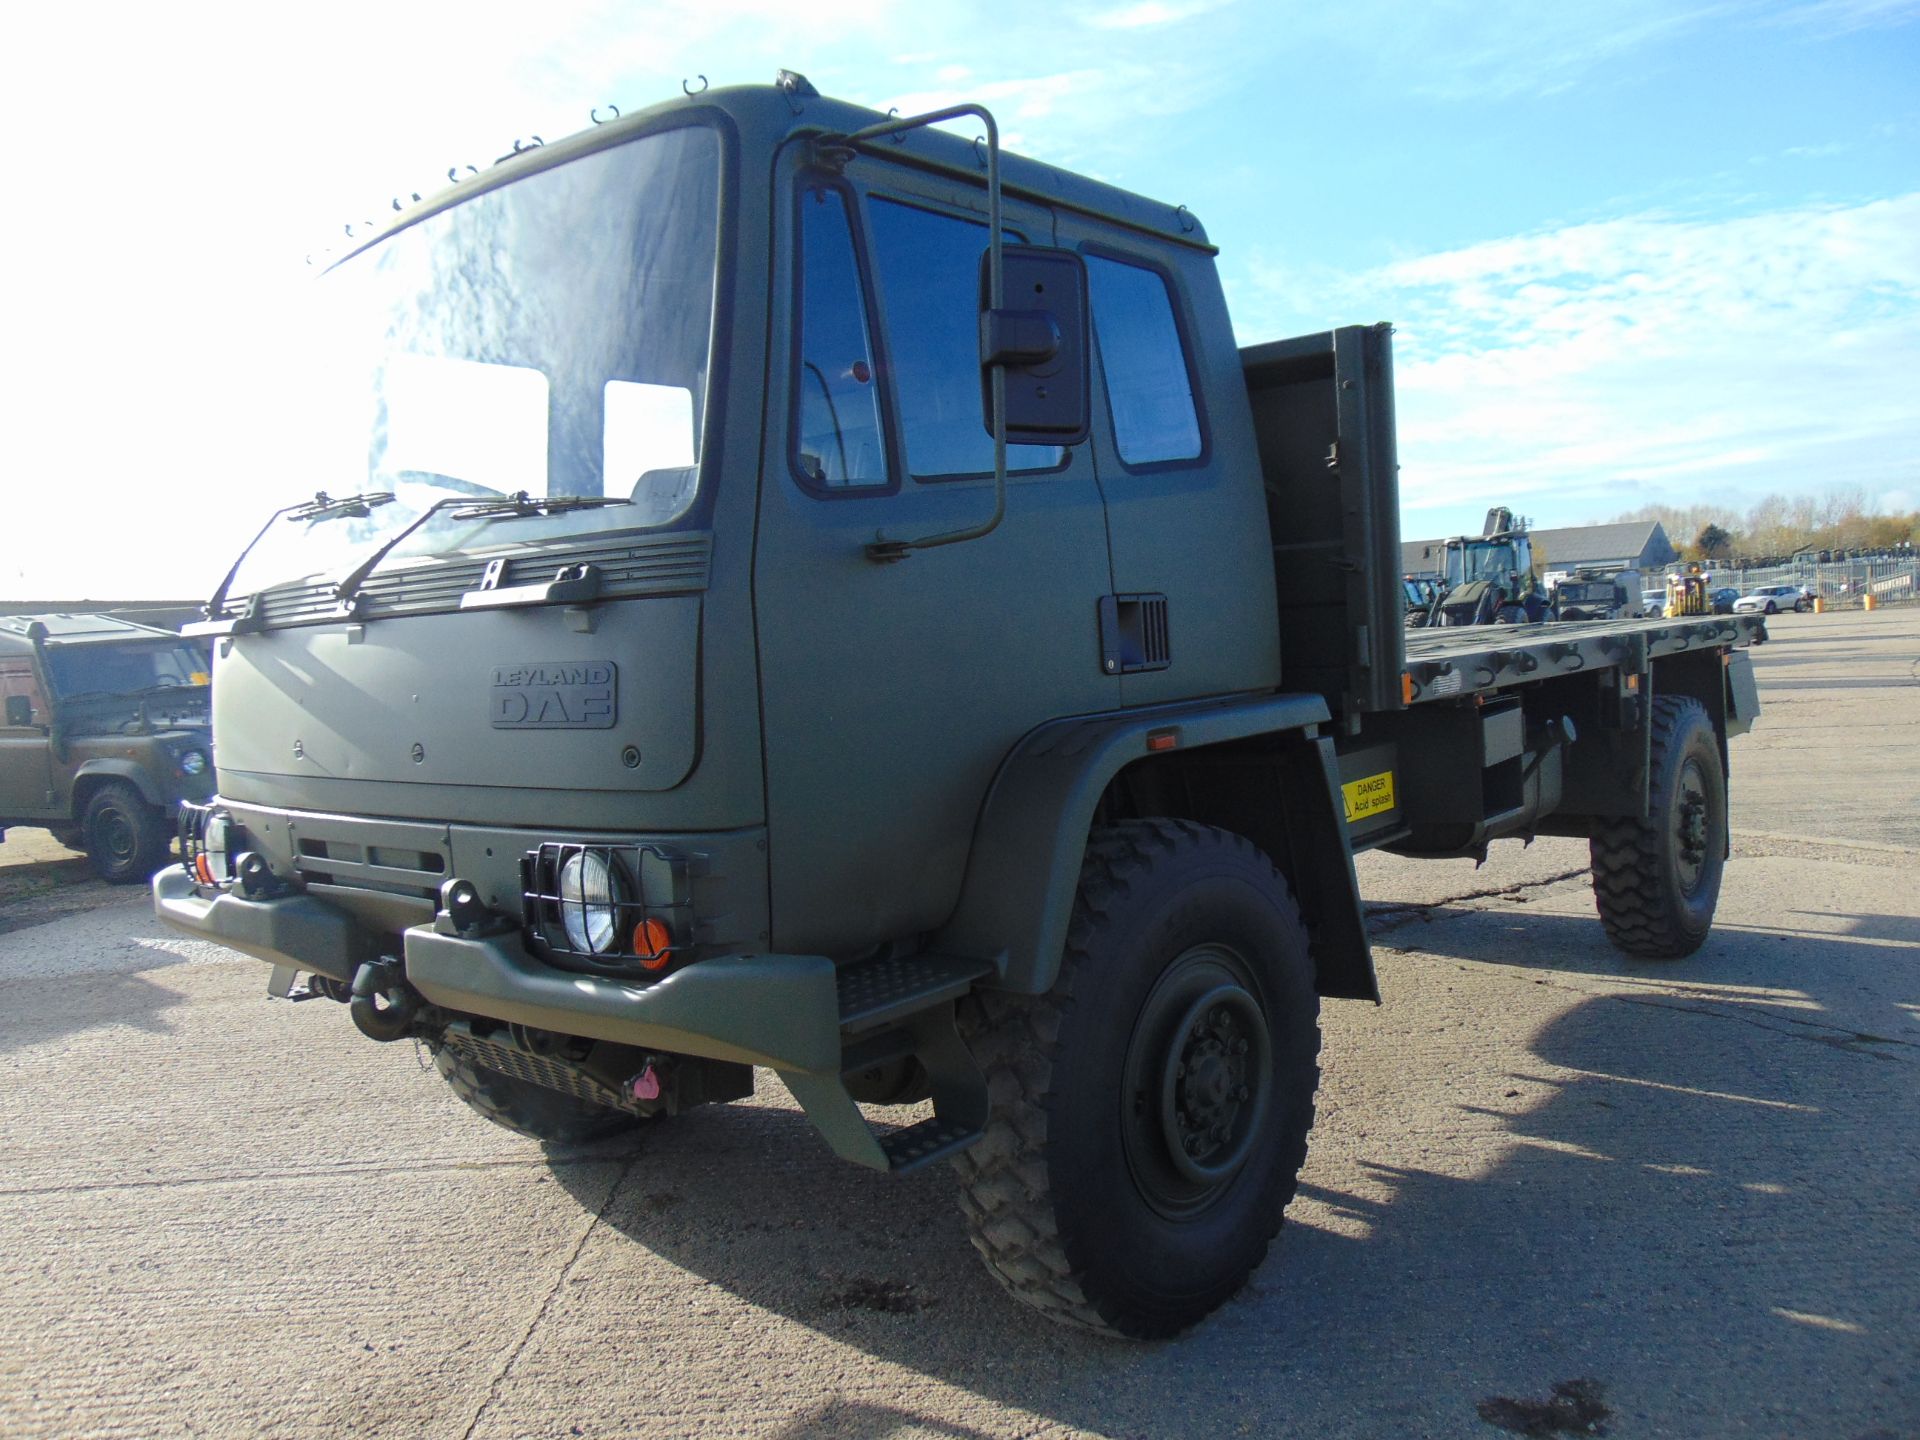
1695,1184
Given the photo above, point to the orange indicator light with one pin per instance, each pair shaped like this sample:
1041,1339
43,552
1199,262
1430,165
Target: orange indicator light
651,941
1162,739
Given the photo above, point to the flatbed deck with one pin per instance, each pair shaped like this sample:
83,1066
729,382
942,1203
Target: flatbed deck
1450,662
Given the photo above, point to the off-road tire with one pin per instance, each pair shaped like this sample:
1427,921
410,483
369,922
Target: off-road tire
126,838
1652,900
528,1109
1052,1195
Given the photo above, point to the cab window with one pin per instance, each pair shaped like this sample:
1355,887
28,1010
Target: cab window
1149,384
929,273
838,441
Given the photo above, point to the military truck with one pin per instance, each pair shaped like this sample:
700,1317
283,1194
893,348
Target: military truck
1598,595
105,733
819,595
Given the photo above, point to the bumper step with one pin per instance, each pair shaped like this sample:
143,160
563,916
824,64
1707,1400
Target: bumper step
890,1009
880,992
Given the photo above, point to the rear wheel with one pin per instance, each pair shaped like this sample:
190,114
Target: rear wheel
1656,882
126,837
1150,1113
529,1109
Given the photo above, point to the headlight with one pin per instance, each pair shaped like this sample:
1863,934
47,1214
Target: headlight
193,762
587,902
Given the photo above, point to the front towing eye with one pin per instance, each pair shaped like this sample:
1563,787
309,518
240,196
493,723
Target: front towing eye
383,1005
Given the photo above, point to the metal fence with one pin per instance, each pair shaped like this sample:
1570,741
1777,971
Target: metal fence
1841,584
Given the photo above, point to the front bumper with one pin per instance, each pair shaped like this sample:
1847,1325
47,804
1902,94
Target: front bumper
780,1011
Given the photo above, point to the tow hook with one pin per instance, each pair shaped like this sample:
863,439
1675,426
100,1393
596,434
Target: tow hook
384,1005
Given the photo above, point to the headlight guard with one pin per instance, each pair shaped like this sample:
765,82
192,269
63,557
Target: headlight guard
607,908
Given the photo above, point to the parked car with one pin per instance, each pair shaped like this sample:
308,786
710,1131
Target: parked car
1654,602
105,733
1723,600
1771,599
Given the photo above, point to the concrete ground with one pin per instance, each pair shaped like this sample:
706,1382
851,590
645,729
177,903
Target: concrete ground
1687,1195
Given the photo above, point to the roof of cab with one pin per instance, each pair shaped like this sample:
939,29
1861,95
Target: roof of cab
767,115
18,632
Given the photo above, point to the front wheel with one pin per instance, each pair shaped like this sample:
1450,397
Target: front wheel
126,837
1150,1113
1656,882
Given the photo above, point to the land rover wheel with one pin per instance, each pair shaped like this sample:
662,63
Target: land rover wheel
528,1109
1656,881
126,837
1150,1112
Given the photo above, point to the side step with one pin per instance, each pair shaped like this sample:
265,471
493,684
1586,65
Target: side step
879,992
890,1009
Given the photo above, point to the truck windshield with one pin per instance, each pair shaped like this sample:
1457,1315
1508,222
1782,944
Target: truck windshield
550,335
124,670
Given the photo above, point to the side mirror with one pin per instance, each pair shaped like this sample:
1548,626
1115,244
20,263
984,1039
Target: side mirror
19,711
1041,335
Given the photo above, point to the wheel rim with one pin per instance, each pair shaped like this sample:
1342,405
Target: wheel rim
1199,1080
117,837
1692,827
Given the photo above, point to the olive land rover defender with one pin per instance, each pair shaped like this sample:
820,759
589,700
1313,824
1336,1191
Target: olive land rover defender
105,733
802,590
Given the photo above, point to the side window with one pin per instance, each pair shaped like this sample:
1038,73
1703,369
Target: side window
17,679
1149,388
838,441
929,268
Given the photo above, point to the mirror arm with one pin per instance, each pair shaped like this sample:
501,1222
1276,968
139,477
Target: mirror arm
880,548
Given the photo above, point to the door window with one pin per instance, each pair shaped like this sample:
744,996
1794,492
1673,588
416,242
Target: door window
1149,385
838,441
929,269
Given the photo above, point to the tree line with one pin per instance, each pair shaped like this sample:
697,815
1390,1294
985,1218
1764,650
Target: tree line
1777,526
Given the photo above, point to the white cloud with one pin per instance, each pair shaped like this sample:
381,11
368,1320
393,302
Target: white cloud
1150,14
1836,17
1645,357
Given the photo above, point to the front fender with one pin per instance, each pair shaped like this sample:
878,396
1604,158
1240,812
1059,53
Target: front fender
140,776
1024,870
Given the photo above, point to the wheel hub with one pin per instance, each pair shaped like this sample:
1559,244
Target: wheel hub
1692,827
1198,1080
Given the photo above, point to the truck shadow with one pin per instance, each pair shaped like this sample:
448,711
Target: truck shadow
1697,1201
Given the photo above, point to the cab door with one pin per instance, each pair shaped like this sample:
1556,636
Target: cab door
892,691
1192,549
26,752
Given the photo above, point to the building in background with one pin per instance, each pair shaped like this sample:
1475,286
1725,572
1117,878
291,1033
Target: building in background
1640,545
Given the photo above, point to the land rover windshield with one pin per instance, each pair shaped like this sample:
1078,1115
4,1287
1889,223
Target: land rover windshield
548,336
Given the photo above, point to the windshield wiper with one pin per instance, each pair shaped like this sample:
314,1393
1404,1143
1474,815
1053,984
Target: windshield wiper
322,507
518,505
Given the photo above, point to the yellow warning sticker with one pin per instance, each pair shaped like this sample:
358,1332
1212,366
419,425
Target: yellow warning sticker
1368,796
200,677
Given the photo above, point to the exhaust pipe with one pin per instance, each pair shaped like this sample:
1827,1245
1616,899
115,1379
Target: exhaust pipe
383,1005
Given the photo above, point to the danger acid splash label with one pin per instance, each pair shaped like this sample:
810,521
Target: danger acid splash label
1368,795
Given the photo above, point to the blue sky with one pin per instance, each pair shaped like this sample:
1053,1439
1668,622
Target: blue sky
1635,251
